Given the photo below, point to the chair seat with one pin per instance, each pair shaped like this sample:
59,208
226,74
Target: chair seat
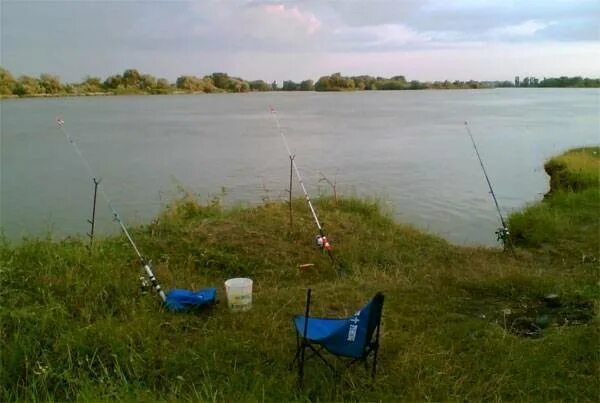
319,329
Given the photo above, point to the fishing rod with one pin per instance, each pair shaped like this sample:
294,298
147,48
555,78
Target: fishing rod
502,233
145,263
321,239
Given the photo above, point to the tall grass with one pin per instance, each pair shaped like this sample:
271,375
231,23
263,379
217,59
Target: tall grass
567,222
574,170
77,327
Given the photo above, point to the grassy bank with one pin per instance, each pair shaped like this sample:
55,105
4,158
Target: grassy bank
459,323
567,223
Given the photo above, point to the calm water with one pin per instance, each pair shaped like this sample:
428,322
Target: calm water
408,148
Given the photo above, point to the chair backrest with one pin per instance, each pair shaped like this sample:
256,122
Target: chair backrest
353,338
376,306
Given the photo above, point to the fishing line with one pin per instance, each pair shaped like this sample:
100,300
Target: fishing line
321,240
502,233
145,263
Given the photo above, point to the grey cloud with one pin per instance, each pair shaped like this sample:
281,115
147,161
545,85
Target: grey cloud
356,13
477,23
75,38
245,28
473,18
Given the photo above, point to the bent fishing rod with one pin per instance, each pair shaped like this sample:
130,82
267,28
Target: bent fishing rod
321,239
502,233
145,263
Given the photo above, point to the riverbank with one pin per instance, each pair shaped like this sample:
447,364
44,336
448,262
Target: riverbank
459,323
142,93
133,82
103,94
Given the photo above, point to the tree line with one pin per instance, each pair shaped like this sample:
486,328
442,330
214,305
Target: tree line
130,82
337,82
560,82
134,82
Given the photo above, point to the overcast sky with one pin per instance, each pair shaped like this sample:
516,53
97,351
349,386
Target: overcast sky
281,40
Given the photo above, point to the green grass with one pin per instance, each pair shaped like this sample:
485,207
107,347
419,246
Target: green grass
77,327
567,223
574,170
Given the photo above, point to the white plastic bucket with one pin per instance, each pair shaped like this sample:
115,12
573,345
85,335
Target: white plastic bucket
239,294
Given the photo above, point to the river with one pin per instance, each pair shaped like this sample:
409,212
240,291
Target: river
409,149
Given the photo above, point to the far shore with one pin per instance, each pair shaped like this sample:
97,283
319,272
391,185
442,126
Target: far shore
111,93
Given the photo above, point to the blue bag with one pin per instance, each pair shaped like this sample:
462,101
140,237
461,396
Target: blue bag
179,300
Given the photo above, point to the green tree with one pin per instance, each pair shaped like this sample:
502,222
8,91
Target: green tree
472,84
50,84
236,85
209,86
339,82
504,84
591,82
195,84
147,82
259,85
186,83
91,84
27,85
162,83
365,82
290,86
220,80
7,82
113,82
359,83
71,88
391,84
323,84
334,82
307,85
416,85
162,86
131,78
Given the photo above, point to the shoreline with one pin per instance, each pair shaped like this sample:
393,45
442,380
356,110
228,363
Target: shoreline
345,91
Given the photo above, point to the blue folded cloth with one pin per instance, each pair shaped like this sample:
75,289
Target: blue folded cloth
179,300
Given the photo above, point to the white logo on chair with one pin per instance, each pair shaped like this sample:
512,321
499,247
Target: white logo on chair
353,327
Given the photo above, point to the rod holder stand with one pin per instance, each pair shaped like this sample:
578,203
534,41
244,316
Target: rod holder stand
290,191
92,221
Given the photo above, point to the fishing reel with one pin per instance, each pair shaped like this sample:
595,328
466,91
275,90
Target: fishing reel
322,242
502,234
144,281
144,284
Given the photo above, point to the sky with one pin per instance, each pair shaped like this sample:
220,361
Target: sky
425,40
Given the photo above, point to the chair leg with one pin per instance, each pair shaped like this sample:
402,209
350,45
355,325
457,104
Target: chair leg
303,340
301,367
374,370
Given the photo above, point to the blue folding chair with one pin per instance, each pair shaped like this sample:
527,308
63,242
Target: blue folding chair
355,337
